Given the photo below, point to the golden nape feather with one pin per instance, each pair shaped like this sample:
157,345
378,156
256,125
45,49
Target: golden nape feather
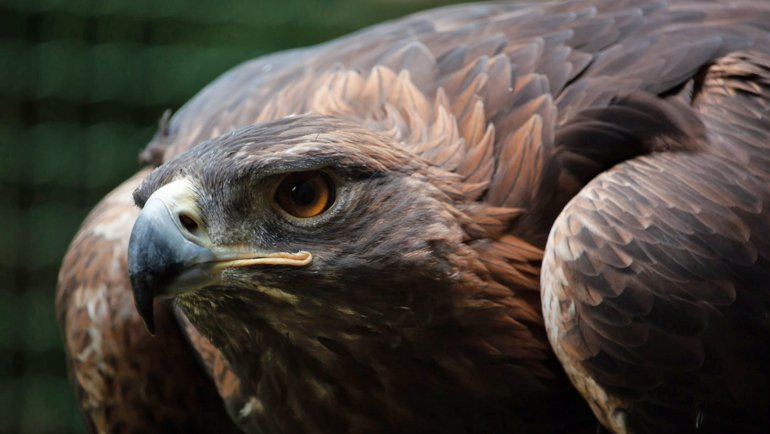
502,217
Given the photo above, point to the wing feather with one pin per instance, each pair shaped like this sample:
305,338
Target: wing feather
661,267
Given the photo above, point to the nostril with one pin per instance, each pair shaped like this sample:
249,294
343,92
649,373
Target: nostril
188,223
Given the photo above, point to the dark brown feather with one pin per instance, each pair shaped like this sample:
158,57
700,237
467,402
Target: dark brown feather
666,274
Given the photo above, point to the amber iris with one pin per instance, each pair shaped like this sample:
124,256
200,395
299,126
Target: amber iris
305,194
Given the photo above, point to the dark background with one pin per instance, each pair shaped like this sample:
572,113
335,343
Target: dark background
82,85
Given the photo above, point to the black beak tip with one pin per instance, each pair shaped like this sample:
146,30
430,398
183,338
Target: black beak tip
149,319
149,323
144,305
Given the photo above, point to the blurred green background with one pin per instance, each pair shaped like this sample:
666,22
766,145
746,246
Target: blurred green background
82,85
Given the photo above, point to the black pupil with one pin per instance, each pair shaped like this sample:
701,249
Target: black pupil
303,194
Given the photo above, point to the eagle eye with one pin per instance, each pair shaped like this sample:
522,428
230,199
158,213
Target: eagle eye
305,194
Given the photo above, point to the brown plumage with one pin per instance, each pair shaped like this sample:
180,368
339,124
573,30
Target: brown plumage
657,276
126,380
450,143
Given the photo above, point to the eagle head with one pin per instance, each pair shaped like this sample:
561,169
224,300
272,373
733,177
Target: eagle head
334,269
310,214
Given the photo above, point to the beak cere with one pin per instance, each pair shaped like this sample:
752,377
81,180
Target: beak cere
170,252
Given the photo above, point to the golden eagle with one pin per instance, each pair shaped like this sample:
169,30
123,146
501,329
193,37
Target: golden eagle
413,228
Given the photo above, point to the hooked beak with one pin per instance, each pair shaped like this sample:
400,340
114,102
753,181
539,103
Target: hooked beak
170,251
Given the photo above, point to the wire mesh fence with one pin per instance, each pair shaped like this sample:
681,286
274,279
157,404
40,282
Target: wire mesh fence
82,84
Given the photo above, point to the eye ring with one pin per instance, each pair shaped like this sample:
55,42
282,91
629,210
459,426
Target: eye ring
305,194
